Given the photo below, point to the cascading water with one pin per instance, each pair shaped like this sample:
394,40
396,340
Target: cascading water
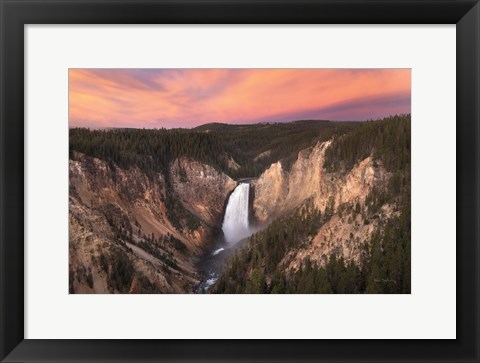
235,223
235,228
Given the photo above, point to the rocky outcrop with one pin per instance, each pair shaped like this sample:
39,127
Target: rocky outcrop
202,189
262,155
121,215
98,185
231,163
278,191
344,235
270,193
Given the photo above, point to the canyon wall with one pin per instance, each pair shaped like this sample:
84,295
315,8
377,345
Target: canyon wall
122,215
278,192
201,189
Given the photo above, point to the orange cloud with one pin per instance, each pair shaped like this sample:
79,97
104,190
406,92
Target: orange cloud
189,97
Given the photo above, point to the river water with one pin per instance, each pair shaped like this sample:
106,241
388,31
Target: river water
235,232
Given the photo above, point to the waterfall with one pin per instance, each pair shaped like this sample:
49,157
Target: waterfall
235,223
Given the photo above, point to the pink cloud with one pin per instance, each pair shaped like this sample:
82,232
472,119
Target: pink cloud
189,97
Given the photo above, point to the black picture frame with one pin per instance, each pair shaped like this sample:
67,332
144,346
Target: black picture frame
15,14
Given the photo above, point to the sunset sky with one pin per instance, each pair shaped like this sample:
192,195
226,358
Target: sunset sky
154,98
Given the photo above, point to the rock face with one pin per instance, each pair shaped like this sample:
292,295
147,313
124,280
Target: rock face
202,190
343,235
96,185
124,215
232,164
262,155
277,192
121,215
270,192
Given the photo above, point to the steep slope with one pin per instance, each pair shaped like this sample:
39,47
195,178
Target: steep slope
332,200
129,234
201,189
338,220
278,192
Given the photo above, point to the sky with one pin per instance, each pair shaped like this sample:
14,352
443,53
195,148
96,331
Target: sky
155,98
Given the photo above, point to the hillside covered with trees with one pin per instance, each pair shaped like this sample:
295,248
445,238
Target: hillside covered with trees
214,144
157,233
384,266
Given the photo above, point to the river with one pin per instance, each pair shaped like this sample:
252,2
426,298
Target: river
235,232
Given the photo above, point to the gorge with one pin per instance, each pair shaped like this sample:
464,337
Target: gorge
172,218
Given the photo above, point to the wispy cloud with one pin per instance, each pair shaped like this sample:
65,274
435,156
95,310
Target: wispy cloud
189,97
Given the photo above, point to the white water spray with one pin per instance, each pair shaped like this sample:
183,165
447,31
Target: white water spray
235,223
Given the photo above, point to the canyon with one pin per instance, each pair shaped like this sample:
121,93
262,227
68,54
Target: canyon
108,204
136,232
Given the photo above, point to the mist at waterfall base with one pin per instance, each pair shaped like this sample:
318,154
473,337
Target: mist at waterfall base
235,228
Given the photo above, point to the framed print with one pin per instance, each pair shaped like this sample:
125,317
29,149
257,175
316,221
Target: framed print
240,181
238,208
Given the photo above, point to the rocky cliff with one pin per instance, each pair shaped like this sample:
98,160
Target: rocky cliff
122,236
327,196
201,189
278,192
